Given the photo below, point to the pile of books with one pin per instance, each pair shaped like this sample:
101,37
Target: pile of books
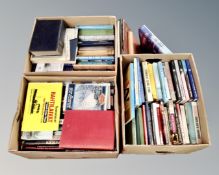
161,103
68,116
96,44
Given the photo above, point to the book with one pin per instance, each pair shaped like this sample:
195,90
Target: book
130,130
191,123
157,82
178,126
139,126
49,67
160,126
149,124
95,43
88,130
129,92
91,96
95,58
69,97
166,126
137,96
94,32
147,83
96,37
131,44
95,27
96,52
140,82
48,37
42,107
154,109
144,117
150,43
184,125
169,80
152,81
192,81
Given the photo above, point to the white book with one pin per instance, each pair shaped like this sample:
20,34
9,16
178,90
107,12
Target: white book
49,67
37,135
137,98
155,123
96,37
70,33
147,83
196,122
180,82
184,123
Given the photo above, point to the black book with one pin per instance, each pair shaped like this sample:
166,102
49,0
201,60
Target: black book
175,81
48,38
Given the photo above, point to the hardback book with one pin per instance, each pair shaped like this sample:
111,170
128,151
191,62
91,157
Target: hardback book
150,43
139,127
187,79
88,130
147,83
154,108
48,37
192,81
157,82
129,91
152,80
91,96
42,107
169,80
131,44
184,124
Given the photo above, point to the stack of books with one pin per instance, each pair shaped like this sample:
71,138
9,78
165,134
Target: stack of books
68,116
161,103
96,44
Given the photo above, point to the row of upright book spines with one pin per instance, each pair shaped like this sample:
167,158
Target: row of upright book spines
156,124
164,81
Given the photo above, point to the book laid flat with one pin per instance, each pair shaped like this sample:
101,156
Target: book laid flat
42,107
48,37
90,130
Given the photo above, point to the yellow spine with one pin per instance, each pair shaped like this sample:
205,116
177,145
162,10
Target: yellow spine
152,80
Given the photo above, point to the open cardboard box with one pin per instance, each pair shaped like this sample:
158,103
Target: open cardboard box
82,70
15,132
153,149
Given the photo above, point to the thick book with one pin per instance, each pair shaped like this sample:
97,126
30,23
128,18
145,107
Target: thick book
48,37
150,43
88,130
42,107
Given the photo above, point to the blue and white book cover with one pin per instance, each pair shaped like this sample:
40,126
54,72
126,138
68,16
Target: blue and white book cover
137,98
132,90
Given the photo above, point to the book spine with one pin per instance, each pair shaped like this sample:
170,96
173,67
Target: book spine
183,80
157,81
156,132
180,82
175,81
187,79
197,123
165,89
184,123
192,81
140,83
160,126
137,98
96,38
152,80
95,27
65,96
144,124
108,58
190,123
147,83
70,97
139,127
179,123
132,90
149,124
166,127
169,81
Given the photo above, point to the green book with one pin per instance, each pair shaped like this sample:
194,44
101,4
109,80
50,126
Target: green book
87,32
139,126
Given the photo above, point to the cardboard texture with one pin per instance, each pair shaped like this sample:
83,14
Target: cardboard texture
166,149
82,70
15,132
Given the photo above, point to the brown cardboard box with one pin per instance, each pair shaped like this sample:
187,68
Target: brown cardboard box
151,149
85,70
14,137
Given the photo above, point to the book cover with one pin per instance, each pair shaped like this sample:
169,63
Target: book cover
95,43
166,127
95,27
95,58
42,107
129,93
149,124
94,32
192,81
140,82
91,96
152,80
96,52
96,37
184,123
88,130
157,82
47,38
178,125
130,132
139,127
160,126
49,67
147,83
143,108
150,43
137,97
70,97
157,139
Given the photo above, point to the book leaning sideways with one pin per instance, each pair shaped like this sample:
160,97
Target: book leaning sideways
42,107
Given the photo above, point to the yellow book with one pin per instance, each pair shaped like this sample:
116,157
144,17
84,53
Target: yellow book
42,107
152,80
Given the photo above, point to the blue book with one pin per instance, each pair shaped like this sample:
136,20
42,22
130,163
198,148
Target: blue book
149,124
95,27
140,83
192,81
187,79
132,90
157,81
190,123
162,82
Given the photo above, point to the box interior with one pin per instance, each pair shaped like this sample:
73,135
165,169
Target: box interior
15,133
124,62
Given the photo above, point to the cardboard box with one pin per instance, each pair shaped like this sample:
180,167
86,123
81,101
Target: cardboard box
15,132
82,70
153,149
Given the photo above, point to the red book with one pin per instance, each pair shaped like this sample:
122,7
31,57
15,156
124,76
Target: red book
88,130
145,124
159,116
